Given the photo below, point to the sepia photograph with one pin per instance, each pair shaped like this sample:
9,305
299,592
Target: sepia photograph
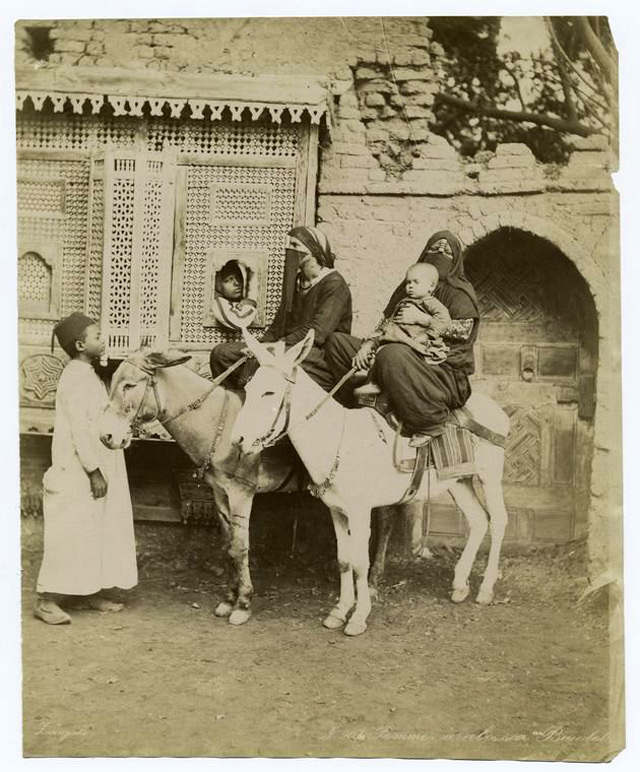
320,386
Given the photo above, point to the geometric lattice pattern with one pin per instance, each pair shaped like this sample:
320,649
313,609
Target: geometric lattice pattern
508,296
45,196
240,204
40,223
516,287
524,446
150,261
34,280
46,131
55,205
95,256
202,235
223,138
121,254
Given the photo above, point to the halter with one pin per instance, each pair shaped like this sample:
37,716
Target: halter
152,383
272,435
270,438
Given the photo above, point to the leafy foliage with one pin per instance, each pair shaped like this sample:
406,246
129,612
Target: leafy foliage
488,97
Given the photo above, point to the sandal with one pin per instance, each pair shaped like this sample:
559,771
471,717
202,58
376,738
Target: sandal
49,611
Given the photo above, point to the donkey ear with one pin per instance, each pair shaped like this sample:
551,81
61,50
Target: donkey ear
258,350
299,352
160,359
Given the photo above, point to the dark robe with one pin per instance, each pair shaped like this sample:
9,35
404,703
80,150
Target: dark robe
421,394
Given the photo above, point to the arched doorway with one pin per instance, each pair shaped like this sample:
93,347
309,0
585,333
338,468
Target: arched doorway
537,357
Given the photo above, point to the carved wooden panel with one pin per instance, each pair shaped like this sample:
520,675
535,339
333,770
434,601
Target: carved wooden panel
49,131
532,344
524,455
53,195
39,374
256,219
137,250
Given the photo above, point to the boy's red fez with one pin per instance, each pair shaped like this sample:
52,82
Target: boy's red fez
70,329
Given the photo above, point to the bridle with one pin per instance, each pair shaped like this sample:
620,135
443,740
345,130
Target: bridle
272,436
152,384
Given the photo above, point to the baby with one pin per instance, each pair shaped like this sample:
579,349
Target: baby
426,338
420,283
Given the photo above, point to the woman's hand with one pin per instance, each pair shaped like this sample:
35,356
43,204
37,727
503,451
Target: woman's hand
364,356
411,314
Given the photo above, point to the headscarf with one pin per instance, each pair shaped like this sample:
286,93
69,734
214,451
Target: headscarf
69,330
316,242
435,253
446,254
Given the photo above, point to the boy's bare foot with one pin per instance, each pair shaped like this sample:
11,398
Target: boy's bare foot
98,603
49,611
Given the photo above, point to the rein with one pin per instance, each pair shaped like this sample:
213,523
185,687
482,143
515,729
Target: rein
270,438
273,435
152,382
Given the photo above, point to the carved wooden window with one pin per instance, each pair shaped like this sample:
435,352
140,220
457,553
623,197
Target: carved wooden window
39,280
137,206
238,200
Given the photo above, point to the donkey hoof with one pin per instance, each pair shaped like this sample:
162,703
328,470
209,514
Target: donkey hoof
485,597
460,595
333,622
223,609
239,616
355,627
374,593
424,554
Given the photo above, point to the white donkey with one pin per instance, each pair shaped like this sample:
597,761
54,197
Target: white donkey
348,455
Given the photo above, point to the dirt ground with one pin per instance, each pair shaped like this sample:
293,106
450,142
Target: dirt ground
524,678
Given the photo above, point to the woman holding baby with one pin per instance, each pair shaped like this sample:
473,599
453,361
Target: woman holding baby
421,354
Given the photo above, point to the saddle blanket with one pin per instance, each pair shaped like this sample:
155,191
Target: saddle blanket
452,453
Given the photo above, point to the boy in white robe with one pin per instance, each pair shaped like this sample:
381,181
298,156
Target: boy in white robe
89,542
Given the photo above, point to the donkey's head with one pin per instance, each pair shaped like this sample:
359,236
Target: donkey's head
265,413
134,396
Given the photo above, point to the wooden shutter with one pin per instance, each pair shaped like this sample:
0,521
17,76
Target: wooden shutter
138,235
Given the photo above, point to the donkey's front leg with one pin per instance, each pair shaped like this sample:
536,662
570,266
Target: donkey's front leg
240,500
338,614
225,607
360,528
384,521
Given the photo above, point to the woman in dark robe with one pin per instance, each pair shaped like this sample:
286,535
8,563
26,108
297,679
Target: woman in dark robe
421,394
315,297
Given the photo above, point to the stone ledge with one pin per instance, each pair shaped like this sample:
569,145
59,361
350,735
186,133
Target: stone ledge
513,148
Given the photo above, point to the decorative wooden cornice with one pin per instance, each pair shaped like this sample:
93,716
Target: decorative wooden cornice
198,96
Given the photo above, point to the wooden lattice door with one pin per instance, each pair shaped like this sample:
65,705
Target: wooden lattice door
238,200
536,356
138,239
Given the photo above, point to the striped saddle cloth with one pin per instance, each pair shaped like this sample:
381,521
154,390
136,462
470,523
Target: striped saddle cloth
452,453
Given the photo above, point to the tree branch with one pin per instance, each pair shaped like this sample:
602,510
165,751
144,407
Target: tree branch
600,54
491,111
518,88
557,46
